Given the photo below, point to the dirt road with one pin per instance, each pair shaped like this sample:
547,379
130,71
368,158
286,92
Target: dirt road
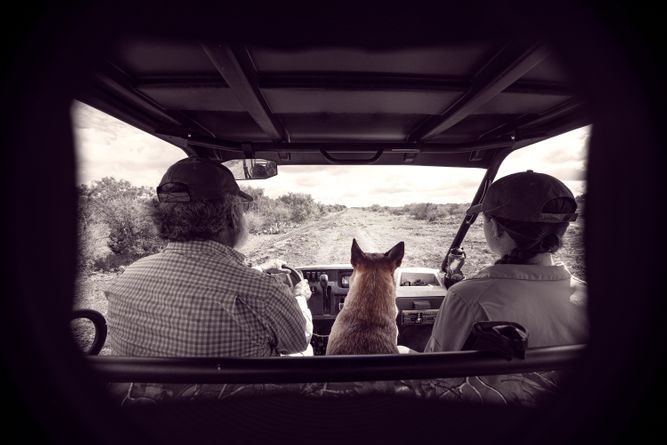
328,240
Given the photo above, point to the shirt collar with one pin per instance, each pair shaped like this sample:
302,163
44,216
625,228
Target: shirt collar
525,272
207,247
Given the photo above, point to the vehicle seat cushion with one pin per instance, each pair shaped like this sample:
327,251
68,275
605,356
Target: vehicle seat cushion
525,389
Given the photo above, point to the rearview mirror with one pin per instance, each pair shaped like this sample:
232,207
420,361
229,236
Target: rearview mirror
252,168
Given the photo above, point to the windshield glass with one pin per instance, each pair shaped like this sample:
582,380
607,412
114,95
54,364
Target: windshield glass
306,215
310,214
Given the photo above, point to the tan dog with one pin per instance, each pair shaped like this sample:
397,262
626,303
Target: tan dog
367,323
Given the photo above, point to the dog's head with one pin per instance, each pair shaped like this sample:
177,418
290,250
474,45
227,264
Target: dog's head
388,261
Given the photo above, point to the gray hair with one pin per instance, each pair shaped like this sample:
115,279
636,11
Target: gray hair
199,220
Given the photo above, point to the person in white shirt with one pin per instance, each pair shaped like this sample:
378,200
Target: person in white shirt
525,217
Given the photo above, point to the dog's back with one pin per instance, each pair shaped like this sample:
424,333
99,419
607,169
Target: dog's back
367,323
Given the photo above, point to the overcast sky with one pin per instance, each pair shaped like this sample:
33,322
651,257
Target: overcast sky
106,146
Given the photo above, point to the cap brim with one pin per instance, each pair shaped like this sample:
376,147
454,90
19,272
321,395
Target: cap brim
244,195
558,217
474,210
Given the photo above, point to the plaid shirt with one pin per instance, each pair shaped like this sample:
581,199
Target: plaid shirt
199,298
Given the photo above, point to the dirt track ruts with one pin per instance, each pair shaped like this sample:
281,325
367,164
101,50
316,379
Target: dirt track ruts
328,240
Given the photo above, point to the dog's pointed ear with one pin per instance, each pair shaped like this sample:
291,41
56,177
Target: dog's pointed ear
395,254
357,253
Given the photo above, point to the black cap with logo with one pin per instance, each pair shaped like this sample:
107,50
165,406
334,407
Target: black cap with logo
198,179
522,197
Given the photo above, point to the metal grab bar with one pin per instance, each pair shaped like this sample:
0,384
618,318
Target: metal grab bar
329,368
370,160
100,325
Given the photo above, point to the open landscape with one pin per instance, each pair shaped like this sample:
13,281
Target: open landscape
327,240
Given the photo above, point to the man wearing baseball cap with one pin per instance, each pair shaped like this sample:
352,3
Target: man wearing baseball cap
525,217
198,297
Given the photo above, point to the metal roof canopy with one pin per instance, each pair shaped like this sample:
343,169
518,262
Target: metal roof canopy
450,104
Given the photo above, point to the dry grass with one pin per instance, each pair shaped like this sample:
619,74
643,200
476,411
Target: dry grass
90,296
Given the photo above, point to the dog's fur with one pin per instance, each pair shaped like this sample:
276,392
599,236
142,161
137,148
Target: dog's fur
367,323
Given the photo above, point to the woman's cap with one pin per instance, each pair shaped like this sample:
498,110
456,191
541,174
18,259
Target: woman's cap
522,197
198,179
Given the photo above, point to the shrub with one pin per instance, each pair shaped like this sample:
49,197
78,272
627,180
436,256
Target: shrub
256,222
276,211
257,196
123,210
333,208
398,210
132,232
92,245
113,262
115,227
301,206
427,211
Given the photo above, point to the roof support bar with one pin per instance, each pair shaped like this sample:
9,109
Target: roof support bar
468,220
525,120
235,66
344,81
506,67
122,85
351,147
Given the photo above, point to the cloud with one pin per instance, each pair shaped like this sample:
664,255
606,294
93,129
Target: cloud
577,187
569,146
563,156
331,170
384,185
108,147
569,172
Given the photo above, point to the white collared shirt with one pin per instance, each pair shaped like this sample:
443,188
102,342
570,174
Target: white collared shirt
547,300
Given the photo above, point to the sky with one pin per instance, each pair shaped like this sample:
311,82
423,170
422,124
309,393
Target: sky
106,146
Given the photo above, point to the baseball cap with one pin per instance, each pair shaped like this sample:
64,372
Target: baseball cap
522,197
198,179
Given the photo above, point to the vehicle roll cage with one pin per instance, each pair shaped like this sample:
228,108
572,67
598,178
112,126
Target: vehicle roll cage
239,101
468,220
159,103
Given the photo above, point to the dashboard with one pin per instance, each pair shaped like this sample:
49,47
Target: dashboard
419,294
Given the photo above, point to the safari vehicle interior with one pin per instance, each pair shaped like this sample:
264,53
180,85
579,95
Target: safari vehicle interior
262,107
411,86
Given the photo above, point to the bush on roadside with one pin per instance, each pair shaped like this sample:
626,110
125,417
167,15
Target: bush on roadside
398,210
264,214
301,206
428,211
123,211
333,208
92,246
255,221
115,227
